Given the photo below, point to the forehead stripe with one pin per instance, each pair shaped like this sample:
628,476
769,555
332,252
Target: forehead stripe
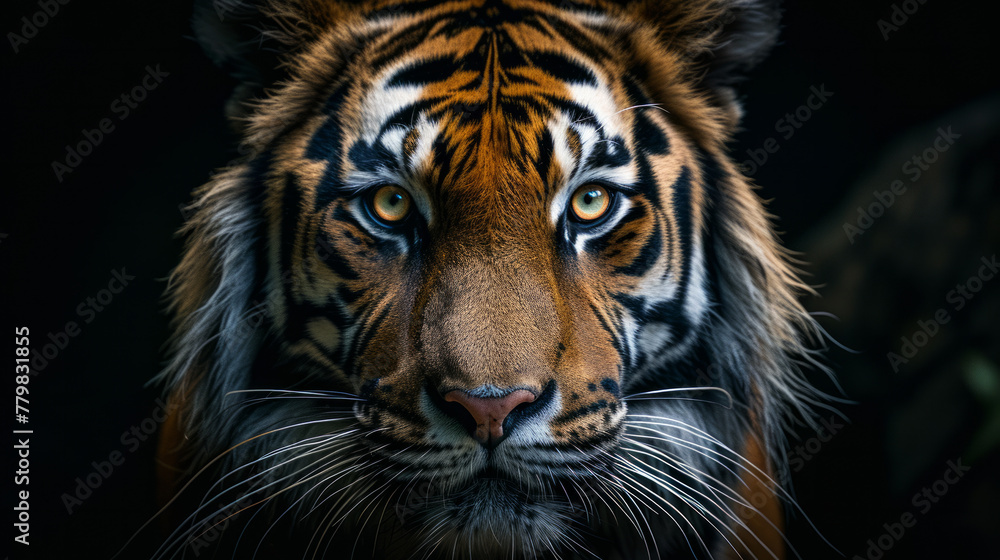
326,141
563,68
608,152
400,42
424,72
648,135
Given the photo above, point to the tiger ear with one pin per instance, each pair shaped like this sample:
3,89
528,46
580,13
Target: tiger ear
230,33
708,44
721,38
251,40
740,39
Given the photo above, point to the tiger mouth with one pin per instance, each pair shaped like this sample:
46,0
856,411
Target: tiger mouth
475,466
492,493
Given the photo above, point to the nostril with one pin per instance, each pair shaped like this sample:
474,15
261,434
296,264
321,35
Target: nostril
488,413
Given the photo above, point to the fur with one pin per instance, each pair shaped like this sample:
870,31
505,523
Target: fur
314,345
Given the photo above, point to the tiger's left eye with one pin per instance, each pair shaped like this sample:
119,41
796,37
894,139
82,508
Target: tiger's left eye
589,203
390,204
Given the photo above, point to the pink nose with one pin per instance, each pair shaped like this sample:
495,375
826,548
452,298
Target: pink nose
489,413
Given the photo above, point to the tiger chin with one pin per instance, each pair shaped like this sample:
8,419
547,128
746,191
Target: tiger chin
485,284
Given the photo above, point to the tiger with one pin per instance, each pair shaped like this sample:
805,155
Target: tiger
485,283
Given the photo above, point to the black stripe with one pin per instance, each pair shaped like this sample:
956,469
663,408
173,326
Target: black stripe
601,155
325,144
342,320
544,163
563,68
586,410
615,237
682,211
347,295
574,111
634,91
401,42
714,175
578,40
424,72
364,338
647,256
607,328
334,260
646,181
290,221
370,158
404,117
649,136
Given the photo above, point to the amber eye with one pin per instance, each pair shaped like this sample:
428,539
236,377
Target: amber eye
390,204
590,203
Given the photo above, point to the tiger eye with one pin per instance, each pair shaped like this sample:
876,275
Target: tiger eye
391,204
590,202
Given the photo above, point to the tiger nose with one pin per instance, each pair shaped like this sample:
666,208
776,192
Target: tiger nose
488,413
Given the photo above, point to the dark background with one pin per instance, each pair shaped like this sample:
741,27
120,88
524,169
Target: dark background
62,240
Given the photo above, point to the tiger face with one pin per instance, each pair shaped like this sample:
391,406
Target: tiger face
487,285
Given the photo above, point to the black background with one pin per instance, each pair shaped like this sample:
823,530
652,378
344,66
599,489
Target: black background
121,206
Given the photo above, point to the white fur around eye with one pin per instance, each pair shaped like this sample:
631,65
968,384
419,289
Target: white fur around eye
620,209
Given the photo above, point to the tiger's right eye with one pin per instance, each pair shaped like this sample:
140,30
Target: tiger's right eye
390,204
590,203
